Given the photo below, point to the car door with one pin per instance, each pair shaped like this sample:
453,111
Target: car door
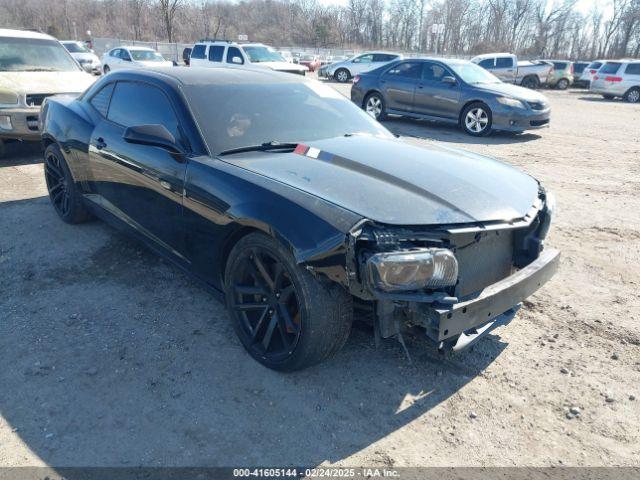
141,185
398,85
436,94
114,59
361,64
234,55
505,69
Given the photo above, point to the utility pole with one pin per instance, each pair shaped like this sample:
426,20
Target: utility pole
75,31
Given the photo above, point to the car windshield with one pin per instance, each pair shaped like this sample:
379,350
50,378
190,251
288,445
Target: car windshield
236,115
610,67
262,54
75,47
472,73
34,55
146,56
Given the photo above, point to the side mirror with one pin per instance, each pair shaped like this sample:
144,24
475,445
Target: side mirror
152,135
236,60
449,80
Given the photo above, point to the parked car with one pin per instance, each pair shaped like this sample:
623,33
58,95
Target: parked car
264,195
186,55
85,57
561,76
589,72
286,54
507,68
453,91
620,78
220,52
312,62
132,57
33,66
347,69
578,69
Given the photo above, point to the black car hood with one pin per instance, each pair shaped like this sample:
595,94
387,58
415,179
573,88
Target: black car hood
392,182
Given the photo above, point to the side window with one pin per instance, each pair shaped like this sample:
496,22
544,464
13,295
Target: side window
382,57
215,53
504,62
234,52
487,63
115,53
407,70
432,72
633,69
130,105
198,51
364,58
100,100
124,54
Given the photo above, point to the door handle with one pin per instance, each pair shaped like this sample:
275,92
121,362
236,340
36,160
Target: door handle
420,85
164,184
100,143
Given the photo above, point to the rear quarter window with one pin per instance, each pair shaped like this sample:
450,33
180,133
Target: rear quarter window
198,51
610,67
560,65
215,53
633,69
504,62
100,101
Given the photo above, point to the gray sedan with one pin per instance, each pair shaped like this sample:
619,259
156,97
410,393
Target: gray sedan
453,91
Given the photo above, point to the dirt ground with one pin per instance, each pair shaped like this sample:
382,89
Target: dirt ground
112,357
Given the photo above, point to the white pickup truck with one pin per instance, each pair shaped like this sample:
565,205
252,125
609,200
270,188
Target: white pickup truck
507,68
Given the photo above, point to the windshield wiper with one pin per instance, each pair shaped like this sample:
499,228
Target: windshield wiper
263,147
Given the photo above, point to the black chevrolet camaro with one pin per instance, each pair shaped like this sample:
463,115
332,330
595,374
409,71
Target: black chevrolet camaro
295,206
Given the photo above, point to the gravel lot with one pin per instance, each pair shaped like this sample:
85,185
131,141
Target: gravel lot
110,356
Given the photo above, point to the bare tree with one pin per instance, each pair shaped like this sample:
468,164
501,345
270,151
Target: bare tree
168,9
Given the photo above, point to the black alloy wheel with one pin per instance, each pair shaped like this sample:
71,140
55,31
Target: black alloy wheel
285,317
266,304
63,193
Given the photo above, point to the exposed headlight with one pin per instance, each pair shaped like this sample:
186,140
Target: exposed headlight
5,122
413,269
8,97
511,102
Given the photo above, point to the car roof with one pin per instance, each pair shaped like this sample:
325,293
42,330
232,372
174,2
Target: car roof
135,47
219,75
6,32
499,54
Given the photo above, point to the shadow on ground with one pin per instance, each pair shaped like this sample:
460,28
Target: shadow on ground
118,359
21,153
423,129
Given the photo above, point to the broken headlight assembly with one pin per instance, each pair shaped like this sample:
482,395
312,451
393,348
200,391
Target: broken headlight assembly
412,269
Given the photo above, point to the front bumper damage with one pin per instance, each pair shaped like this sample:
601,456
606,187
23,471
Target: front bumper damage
500,265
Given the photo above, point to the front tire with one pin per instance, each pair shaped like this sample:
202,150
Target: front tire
342,75
286,318
476,119
374,105
632,95
63,193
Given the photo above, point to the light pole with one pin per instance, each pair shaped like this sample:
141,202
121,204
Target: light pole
75,31
437,29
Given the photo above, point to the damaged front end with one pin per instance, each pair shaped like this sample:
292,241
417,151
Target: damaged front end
455,281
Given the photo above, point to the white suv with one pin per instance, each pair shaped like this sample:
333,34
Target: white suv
212,53
619,78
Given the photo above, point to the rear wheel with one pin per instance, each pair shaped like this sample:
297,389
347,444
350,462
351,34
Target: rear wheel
562,84
342,75
63,193
632,95
285,317
531,82
374,106
476,119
